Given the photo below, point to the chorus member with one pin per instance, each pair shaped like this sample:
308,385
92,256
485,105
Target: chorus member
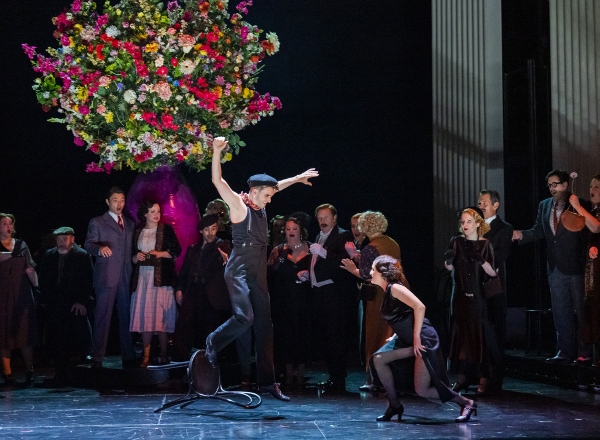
500,236
18,282
67,287
246,270
565,253
219,208
591,300
276,233
414,337
473,348
201,290
374,225
109,239
289,264
153,307
334,295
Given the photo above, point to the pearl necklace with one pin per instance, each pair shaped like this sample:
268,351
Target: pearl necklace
296,246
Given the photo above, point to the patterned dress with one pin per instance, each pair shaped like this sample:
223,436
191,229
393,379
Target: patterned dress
153,309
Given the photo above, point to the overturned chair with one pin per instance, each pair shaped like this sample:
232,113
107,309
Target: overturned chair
205,382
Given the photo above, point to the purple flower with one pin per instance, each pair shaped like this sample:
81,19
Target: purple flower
120,87
171,6
29,50
220,80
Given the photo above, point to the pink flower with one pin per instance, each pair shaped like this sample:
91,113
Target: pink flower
101,109
163,90
29,50
84,110
78,141
64,40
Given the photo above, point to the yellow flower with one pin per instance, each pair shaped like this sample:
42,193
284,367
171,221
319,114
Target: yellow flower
77,28
118,12
141,35
197,148
109,117
152,47
228,157
140,14
248,93
82,93
80,48
71,42
203,128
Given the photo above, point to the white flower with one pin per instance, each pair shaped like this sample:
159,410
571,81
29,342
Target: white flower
272,38
112,31
129,96
573,175
159,61
187,67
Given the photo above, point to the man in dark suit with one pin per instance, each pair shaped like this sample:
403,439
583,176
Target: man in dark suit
201,291
334,293
500,236
566,262
109,240
66,276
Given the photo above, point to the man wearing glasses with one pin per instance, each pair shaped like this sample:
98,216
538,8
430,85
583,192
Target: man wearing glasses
566,262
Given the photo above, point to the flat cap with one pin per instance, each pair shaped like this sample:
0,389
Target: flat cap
64,230
207,220
262,180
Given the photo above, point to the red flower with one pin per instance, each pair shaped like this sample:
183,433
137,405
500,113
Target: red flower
174,62
162,71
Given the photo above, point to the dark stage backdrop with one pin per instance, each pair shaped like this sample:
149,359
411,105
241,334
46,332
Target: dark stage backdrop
355,81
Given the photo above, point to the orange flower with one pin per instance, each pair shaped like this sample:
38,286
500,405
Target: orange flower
204,7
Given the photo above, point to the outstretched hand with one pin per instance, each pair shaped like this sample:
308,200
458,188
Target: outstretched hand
308,174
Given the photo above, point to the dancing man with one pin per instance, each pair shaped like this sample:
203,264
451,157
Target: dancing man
246,270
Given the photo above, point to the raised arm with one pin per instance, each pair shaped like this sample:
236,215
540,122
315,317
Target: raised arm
236,205
303,178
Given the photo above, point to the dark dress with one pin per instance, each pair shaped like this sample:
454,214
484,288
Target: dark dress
591,300
472,341
401,318
18,327
290,307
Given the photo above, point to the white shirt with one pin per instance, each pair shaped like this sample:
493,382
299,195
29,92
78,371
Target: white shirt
313,279
490,220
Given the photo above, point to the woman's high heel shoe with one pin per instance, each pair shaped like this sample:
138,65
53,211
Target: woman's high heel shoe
466,412
390,412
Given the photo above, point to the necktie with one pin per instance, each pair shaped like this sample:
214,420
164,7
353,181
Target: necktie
120,222
554,218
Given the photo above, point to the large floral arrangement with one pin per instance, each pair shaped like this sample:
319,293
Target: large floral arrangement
142,85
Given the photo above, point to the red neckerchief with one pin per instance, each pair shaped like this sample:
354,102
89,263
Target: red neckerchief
246,199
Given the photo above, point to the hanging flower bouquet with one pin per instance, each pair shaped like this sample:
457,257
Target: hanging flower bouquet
143,86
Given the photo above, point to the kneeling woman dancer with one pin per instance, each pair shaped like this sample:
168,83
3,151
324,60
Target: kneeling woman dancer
414,337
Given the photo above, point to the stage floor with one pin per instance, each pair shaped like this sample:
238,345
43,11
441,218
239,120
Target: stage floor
526,409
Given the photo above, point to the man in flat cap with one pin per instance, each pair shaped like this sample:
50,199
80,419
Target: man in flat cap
201,291
66,283
246,270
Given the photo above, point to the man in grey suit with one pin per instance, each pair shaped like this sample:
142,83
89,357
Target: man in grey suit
566,263
109,240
